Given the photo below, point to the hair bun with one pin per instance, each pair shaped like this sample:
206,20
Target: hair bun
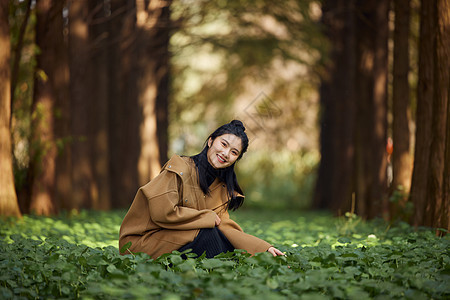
238,124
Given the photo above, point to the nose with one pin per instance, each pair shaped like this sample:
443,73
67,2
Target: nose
226,153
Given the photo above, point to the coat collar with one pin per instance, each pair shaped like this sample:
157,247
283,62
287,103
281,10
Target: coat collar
178,164
184,165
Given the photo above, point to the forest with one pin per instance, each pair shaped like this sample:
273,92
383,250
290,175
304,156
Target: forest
345,103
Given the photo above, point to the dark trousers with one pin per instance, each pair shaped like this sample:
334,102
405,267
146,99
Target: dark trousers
209,240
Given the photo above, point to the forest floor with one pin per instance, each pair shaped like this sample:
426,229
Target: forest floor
76,256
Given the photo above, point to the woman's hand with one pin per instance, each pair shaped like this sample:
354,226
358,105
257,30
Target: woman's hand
274,251
218,220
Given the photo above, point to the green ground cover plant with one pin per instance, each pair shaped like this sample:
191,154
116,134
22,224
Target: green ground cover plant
76,256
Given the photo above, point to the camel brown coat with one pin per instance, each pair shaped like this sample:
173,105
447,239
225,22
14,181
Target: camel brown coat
169,211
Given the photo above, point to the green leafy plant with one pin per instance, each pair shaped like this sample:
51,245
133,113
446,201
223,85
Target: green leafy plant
401,208
76,256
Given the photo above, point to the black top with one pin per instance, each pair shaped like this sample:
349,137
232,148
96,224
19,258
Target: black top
211,174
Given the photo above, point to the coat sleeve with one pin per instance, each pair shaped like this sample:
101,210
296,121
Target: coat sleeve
166,209
240,239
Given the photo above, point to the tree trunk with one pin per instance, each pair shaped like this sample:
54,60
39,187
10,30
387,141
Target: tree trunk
8,198
83,185
401,158
354,98
18,50
436,188
334,184
123,108
63,170
371,85
444,216
419,185
345,112
48,86
98,32
323,194
152,24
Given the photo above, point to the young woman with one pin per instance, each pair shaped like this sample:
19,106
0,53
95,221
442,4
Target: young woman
186,205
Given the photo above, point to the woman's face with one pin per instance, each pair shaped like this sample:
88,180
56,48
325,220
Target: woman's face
224,150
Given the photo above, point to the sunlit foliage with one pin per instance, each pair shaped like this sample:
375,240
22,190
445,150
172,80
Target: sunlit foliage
257,61
230,59
76,256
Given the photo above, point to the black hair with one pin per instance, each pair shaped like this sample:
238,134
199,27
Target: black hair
226,175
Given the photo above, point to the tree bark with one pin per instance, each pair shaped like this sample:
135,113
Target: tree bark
435,196
49,86
334,184
345,113
8,198
98,32
323,193
123,108
63,169
18,51
444,217
371,85
401,158
354,103
152,23
83,185
425,92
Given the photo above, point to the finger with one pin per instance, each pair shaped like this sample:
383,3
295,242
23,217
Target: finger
279,252
271,250
276,252
218,220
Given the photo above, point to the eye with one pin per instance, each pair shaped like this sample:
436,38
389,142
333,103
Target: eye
235,153
224,144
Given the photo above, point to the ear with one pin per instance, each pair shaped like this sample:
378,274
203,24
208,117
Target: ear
210,142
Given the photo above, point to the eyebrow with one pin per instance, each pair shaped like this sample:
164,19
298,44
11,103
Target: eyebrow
228,143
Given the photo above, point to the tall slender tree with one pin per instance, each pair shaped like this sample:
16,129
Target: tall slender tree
424,113
153,27
401,157
82,181
18,49
371,87
435,198
63,169
354,98
49,86
337,95
429,191
8,198
99,87
123,105
444,217
119,90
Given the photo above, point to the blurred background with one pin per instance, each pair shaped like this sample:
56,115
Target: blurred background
336,97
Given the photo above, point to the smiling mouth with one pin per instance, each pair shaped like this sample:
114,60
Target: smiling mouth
220,159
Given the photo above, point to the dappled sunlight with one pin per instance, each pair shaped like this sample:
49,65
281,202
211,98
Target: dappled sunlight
93,229
241,62
76,256
101,93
